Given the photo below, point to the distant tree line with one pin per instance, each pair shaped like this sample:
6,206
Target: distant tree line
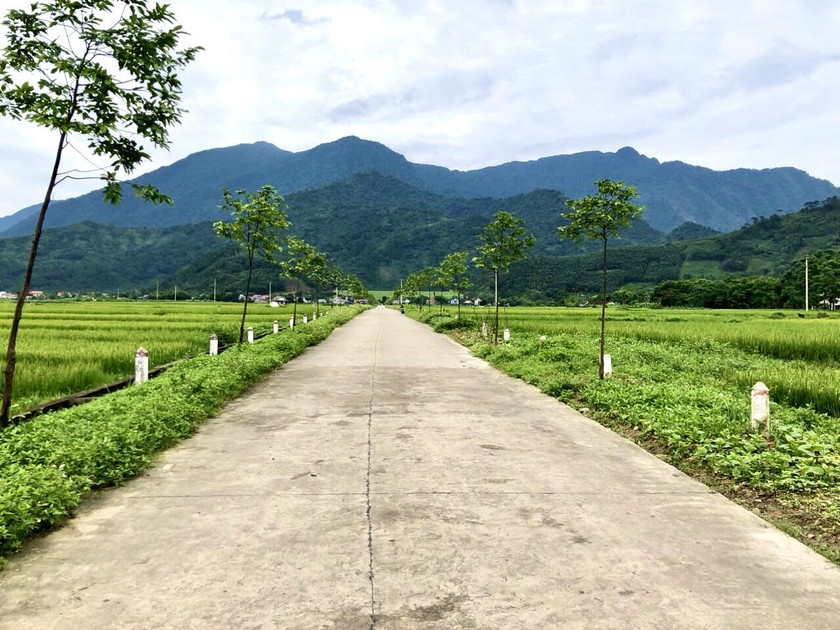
788,291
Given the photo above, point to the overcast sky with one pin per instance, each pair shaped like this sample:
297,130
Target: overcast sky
472,83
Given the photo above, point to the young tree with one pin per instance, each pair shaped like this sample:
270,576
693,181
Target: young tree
258,220
411,286
452,272
320,275
504,241
420,281
601,216
335,278
101,70
303,261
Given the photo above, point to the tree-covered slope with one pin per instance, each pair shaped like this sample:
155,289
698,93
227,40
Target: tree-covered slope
673,192
94,257
767,246
374,226
381,229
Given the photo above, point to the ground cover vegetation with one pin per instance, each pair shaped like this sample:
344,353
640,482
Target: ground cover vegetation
67,346
48,464
681,388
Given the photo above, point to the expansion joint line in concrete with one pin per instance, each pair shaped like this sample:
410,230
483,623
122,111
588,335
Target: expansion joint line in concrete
367,482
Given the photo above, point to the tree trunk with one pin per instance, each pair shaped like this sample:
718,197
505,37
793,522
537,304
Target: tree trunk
294,308
603,312
11,356
496,294
247,291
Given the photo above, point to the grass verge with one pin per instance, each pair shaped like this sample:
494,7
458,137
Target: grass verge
48,464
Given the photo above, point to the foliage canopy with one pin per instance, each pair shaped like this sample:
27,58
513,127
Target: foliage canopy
100,69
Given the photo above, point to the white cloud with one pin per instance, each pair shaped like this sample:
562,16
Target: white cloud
480,82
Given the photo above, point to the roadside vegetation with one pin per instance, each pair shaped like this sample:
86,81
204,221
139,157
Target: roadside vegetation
67,347
681,388
49,463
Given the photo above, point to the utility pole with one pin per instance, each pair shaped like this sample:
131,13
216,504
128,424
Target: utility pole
806,283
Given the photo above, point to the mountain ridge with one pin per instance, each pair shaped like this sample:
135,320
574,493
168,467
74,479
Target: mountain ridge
674,192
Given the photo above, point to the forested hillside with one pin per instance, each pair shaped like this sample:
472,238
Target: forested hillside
381,229
673,192
768,247
373,226
93,257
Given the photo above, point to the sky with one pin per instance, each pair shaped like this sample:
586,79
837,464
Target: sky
473,83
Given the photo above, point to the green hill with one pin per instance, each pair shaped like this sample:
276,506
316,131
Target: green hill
767,246
381,229
673,192
93,257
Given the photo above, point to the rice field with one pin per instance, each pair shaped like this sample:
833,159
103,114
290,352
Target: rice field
68,347
806,349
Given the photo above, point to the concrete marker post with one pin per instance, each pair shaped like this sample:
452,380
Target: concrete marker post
305,319
760,406
250,334
291,323
276,327
141,366
607,364
506,335
214,345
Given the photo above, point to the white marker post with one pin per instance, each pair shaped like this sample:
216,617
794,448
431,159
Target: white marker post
506,335
484,329
607,364
760,406
250,334
141,366
214,345
305,319
291,323
276,327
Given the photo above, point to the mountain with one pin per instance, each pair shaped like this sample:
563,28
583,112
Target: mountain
690,230
674,192
768,246
12,219
374,226
381,229
94,257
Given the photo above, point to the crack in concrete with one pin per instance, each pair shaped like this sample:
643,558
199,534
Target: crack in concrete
367,481
447,493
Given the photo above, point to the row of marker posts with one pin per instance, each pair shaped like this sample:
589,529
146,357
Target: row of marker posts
759,394
141,357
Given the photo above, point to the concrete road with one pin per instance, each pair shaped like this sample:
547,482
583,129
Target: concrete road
387,479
